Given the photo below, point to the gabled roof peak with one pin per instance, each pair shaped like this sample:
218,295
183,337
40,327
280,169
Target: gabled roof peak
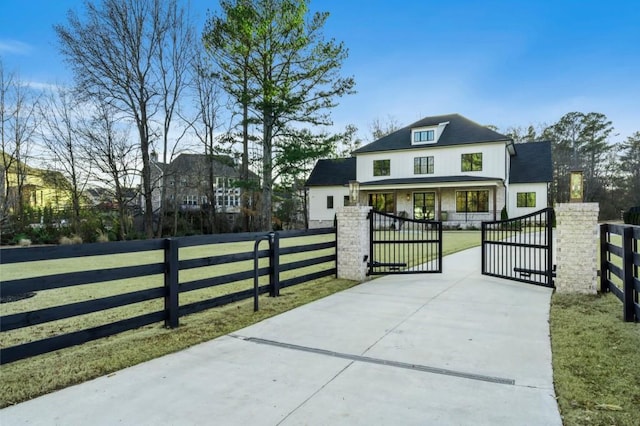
458,131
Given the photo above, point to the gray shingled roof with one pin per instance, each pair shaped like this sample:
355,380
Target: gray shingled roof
338,171
459,131
532,163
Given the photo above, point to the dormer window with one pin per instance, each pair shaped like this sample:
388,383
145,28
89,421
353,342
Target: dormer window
423,136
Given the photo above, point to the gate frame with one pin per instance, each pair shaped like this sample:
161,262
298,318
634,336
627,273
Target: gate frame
373,263
549,274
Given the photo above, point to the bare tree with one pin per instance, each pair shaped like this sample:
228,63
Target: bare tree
119,52
381,128
205,126
175,60
18,123
115,157
60,135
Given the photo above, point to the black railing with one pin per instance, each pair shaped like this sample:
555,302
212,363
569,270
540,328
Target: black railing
161,291
619,264
520,249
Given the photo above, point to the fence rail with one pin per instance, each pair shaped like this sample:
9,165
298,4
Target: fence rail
166,271
622,262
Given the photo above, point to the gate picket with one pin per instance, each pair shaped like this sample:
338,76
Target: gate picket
399,245
520,249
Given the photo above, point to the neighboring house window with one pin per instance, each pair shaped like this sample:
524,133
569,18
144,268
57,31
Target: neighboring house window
381,167
329,201
346,200
424,205
383,202
472,162
423,165
423,136
472,201
526,199
190,200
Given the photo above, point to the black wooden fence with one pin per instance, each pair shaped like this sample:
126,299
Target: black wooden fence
166,271
623,262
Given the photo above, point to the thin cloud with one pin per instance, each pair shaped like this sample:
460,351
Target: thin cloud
15,47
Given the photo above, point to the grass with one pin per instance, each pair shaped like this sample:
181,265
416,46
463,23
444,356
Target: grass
596,361
28,378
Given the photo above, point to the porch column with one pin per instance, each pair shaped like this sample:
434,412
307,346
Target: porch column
353,242
495,202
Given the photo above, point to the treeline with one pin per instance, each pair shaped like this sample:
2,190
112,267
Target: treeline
586,142
258,83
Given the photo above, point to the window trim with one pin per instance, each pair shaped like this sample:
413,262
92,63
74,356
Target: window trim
477,191
429,165
526,199
472,163
430,133
379,171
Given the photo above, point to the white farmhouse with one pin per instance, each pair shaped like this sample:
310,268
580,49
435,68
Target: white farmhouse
445,168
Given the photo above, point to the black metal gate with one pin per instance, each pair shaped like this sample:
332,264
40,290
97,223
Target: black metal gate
520,249
399,245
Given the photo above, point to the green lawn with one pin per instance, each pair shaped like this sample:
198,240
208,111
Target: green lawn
596,361
35,376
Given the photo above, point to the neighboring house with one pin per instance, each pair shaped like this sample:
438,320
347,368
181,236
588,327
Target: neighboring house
40,188
188,183
439,168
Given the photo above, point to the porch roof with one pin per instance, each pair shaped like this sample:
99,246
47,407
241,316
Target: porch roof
431,181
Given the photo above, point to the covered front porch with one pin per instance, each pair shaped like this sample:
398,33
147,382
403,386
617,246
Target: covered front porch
462,203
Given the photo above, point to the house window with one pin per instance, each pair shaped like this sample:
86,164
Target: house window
381,167
423,165
424,205
472,201
423,136
382,202
190,200
472,162
526,199
346,200
329,201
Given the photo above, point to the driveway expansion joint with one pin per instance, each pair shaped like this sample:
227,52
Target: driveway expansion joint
379,361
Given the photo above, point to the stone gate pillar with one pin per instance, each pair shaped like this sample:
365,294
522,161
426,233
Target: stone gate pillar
577,247
353,242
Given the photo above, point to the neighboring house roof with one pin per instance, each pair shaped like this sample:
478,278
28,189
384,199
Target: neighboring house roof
197,163
433,179
331,172
532,163
459,131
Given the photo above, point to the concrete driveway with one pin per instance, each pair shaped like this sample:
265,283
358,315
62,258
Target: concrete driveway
456,348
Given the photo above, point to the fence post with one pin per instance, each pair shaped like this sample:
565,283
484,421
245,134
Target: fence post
604,258
171,304
627,271
274,264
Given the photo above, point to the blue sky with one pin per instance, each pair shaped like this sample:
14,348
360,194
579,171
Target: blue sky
506,63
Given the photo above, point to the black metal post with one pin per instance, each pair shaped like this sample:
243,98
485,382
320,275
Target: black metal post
171,304
483,255
274,264
550,272
256,287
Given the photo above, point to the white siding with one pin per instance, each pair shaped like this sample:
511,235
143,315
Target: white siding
447,161
541,198
318,210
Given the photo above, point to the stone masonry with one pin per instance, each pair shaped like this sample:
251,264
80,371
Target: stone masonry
577,247
353,242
